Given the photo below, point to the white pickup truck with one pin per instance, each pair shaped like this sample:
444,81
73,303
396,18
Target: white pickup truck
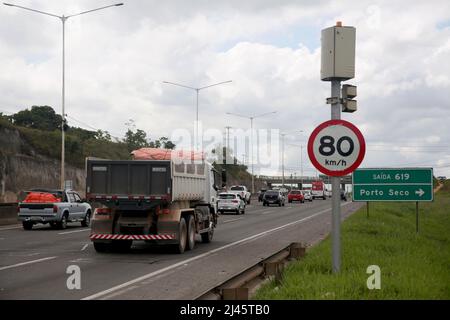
242,191
56,207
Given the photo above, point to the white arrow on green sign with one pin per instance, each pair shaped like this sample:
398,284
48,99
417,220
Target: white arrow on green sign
393,184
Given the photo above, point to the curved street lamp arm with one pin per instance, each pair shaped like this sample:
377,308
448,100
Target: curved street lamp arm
238,115
216,84
112,5
33,10
264,114
180,85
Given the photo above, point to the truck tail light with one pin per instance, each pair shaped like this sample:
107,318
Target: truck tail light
55,209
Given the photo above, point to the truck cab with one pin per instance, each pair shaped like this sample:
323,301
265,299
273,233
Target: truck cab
318,190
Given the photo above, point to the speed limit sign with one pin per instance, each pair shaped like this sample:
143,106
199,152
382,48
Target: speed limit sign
336,147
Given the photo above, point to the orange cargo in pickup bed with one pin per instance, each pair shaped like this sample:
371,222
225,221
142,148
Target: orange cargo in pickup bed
41,197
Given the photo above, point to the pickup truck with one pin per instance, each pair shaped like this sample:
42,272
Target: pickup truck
242,191
55,207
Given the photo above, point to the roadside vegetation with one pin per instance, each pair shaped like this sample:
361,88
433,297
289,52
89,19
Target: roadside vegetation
40,127
413,266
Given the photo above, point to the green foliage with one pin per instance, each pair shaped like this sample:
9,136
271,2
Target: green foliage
413,266
39,117
135,140
41,128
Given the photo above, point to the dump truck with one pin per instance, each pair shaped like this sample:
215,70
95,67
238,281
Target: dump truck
165,201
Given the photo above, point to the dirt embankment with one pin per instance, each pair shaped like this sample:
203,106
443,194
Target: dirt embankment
21,168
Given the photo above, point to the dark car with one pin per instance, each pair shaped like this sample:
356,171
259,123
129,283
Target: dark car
343,195
261,194
273,197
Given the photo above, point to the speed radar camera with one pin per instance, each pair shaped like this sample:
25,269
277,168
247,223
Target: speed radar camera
338,53
348,93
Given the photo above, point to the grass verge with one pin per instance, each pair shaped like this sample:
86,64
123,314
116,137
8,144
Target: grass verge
413,266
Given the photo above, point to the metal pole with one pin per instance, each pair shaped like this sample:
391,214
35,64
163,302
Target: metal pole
417,216
227,145
253,177
282,159
367,205
196,123
301,164
335,185
63,178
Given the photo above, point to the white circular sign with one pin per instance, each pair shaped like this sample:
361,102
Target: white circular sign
336,147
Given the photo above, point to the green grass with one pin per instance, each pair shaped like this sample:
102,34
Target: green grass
413,266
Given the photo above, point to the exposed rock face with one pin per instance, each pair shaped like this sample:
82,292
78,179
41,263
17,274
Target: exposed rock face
21,168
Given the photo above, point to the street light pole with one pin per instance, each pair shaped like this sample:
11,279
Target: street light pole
282,159
301,160
227,144
63,93
251,137
197,94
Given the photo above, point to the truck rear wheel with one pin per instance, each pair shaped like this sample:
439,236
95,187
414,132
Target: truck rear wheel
27,225
191,234
102,247
122,245
207,236
182,234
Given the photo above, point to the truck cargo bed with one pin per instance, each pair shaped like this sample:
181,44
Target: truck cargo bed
144,180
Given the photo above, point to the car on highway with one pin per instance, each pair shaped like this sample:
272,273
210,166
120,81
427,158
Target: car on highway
230,202
307,195
54,207
261,194
242,191
273,197
295,195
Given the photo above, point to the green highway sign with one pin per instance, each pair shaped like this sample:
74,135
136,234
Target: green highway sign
393,184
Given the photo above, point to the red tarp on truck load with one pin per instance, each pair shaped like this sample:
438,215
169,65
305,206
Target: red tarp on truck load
41,197
166,154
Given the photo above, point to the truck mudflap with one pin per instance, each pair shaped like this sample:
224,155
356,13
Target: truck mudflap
97,236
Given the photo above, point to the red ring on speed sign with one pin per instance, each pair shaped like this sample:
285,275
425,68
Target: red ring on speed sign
359,159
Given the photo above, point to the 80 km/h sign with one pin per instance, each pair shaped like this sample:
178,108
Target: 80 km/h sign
336,147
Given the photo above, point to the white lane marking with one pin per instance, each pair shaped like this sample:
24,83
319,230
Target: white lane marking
16,226
67,232
181,263
84,247
266,212
25,263
232,220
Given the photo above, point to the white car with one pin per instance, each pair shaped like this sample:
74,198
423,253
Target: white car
230,202
307,195
242,191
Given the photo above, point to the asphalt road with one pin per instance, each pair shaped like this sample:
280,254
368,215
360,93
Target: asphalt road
33,264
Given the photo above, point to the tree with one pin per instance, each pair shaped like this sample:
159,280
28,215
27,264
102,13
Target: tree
103,135
136,140
163,142
39,117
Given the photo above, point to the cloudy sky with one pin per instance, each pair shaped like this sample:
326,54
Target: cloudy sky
118,58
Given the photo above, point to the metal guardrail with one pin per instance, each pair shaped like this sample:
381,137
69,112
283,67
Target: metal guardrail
240,286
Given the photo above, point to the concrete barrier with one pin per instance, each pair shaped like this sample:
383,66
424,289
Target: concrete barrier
8,213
